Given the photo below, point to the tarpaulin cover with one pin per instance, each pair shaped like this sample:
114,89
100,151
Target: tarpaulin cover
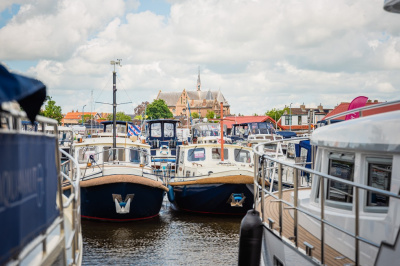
30,93
306,145
286,134
28,188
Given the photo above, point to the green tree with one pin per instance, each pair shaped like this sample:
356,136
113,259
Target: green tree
210,114
120,116
276,113
86,118
52,110
158,109
195,115
140,109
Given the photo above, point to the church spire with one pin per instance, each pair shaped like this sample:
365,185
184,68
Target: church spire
198,81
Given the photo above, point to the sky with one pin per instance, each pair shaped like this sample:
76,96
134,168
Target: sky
261,54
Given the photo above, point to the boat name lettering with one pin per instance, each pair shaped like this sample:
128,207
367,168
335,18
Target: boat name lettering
18,184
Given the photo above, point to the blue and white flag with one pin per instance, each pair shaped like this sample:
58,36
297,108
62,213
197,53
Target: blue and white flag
133,130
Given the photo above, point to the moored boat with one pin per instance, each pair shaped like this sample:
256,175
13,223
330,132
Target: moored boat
350,214
117,181
39,225
212,177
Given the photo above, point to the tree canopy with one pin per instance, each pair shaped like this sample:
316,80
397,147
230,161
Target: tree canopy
158,109
86,118
120,116
210,114
195,115
275,113
52,110
140,109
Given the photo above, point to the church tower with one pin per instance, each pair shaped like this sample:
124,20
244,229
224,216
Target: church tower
198,81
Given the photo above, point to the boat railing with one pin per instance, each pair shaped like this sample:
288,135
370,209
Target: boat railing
74,200
11,121
262,162
91,161
361,109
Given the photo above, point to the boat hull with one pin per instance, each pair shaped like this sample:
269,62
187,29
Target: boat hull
98,202
212,198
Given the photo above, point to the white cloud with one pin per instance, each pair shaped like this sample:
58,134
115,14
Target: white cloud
261,54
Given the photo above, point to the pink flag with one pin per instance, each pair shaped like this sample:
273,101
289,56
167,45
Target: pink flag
358,102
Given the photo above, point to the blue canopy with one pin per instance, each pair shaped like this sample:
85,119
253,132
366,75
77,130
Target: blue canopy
286,134
30,93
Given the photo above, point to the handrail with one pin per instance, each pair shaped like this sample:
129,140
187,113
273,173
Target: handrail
266,159
75,200
102,163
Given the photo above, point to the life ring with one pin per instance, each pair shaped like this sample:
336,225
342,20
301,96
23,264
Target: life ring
164,150
219,141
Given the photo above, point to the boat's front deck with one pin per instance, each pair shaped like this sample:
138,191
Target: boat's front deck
271,209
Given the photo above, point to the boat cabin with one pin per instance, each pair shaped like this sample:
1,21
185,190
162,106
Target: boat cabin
204,159
208,133
243,130
364,151
161,134
99,148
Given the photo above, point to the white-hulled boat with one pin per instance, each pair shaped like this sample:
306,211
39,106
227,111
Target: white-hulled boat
351,213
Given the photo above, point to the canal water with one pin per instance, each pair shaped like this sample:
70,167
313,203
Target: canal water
173,238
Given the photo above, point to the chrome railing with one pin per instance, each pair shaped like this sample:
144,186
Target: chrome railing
101,163
74,200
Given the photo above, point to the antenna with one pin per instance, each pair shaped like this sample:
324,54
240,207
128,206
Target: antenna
118,62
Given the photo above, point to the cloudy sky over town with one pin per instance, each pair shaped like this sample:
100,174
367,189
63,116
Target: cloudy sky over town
261,54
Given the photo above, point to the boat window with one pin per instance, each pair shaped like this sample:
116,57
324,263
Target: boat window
145,157
169,130
85,152
291,150
155,129
341,166
182,156
134,155
379,176
242,156
197,154
216,154
108,154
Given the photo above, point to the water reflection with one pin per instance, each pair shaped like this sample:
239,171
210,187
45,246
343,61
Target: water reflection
173,238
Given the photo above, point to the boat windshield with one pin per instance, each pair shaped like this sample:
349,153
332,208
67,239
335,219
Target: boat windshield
169,130
155,130
206,130
262,128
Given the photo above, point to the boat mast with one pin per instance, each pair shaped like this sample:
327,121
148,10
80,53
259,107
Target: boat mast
115,106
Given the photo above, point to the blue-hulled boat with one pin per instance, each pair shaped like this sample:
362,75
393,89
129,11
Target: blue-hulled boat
117,181
211,176
38,224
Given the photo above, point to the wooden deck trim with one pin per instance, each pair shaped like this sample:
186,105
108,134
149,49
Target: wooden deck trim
232,179
97,181
272,211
